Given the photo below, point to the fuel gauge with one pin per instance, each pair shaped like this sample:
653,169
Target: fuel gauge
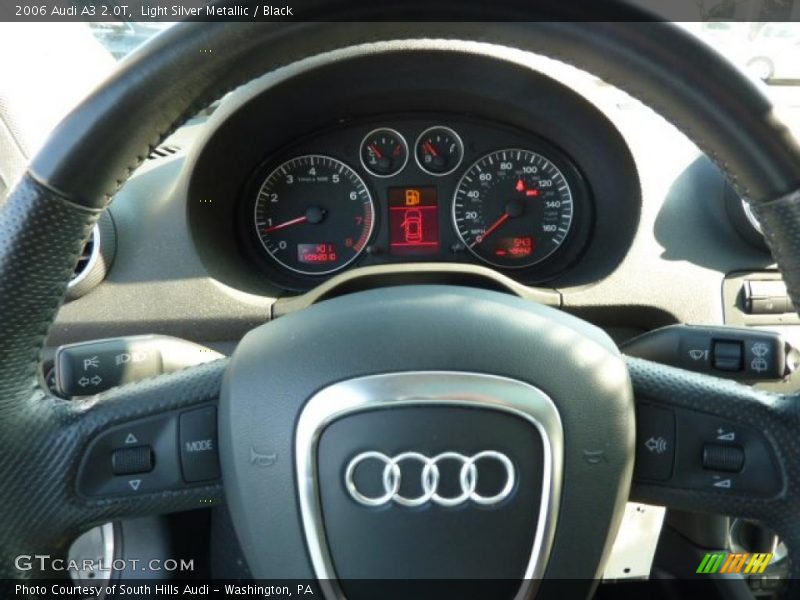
439,150
384,152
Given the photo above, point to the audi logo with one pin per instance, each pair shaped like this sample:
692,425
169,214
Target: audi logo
393,475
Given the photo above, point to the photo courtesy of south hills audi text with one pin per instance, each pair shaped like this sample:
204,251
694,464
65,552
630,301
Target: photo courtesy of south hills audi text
165,591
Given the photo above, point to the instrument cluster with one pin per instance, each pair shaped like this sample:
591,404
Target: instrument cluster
414,189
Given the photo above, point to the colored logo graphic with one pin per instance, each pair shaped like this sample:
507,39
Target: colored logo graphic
742,562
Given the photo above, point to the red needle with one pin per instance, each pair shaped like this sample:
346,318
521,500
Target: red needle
377,152
429,147
296,221
491,229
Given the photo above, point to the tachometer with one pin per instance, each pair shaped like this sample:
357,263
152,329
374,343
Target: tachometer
314,214
513,208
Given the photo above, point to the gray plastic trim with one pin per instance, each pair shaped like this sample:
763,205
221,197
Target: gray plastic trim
427,388
96,546
636,542
374,276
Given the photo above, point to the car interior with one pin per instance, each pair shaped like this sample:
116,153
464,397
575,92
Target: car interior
363,306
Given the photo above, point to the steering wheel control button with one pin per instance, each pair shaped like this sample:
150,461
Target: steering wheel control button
134,458
655,442
723,457
738,353
765,357
92,367
712,454
130,461
728,356
199,455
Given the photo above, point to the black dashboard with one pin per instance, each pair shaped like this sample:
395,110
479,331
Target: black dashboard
337,167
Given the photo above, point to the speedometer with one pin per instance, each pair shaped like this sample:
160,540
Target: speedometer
314,214
513,208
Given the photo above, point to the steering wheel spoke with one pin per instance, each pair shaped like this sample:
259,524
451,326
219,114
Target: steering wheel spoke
140,449
710,445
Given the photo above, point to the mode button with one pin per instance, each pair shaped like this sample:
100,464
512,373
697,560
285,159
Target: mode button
198,438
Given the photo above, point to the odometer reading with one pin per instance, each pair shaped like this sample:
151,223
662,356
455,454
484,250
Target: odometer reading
513,208
313,214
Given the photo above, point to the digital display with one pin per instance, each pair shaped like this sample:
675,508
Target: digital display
413,220
514,247
316,254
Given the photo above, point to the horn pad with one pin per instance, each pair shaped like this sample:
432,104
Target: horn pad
429,475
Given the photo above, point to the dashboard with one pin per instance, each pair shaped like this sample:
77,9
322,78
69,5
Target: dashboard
651,234
336,166
402,189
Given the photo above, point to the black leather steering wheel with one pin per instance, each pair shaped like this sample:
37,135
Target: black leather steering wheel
263,392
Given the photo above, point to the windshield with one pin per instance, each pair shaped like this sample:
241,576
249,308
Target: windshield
767,52
121,38
76,56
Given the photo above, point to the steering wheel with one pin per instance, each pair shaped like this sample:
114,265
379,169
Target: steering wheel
409,432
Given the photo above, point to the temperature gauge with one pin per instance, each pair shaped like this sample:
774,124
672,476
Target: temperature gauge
384,152
439,150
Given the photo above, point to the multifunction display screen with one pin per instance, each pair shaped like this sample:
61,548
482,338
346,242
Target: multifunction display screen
413,220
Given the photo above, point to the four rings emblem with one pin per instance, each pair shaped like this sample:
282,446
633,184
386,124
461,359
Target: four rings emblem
392,477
